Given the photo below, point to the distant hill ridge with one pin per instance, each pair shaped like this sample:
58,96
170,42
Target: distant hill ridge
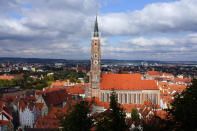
49,60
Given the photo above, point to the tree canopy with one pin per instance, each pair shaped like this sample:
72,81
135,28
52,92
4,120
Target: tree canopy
78,119
115,118
184,109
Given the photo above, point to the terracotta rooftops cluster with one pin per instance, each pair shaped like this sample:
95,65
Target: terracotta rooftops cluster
56,97
10,77
126,82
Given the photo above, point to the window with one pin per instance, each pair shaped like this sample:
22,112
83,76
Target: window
120,98
139,98
125,98
135,98
155,99
95,43
107,97
130,98
103,97
95,55
95,77
146,96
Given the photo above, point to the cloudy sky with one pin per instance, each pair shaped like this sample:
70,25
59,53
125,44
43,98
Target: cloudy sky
131,29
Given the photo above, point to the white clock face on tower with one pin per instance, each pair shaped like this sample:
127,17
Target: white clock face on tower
95,62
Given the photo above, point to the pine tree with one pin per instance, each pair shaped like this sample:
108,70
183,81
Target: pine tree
184,109
115,118
78,119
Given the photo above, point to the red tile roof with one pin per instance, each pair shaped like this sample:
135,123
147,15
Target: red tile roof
58,84
168,74
9,77
100,103
6,77
154,73
182,80
162,114
56,112
4,122
4,109
178,88
7,114
56,97
126,82
47,122
76,90
39,106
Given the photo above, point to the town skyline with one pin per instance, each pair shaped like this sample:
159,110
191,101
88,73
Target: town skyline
155,30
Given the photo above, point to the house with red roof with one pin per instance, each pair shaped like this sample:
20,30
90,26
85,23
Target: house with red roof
27,113
52,120
61,84
78,90
153,74
29,109
56,98
5,117
10,77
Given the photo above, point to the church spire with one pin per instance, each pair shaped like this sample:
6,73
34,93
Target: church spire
96,30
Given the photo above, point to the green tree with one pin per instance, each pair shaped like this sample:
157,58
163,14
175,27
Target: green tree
103,122
135,116
78,119
183,109
114,119
118,115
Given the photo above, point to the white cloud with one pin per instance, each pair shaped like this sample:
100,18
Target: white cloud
58,29
156,18
160,48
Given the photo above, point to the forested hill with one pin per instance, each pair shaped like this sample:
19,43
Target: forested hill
104,61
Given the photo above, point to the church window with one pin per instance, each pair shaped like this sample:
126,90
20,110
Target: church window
155,99
125,98
151,98
107,97
130,98
120,98
103,97
139,98
147,97
135,98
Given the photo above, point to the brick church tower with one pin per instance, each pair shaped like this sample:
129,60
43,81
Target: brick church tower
95,69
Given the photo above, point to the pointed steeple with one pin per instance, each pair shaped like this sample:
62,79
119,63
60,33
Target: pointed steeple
96,30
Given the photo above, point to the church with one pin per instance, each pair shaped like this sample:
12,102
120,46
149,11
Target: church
130,88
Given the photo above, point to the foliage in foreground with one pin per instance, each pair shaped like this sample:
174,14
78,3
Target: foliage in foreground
78,119
183,110
114,119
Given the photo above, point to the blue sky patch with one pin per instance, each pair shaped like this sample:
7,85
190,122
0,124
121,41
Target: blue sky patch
14,15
